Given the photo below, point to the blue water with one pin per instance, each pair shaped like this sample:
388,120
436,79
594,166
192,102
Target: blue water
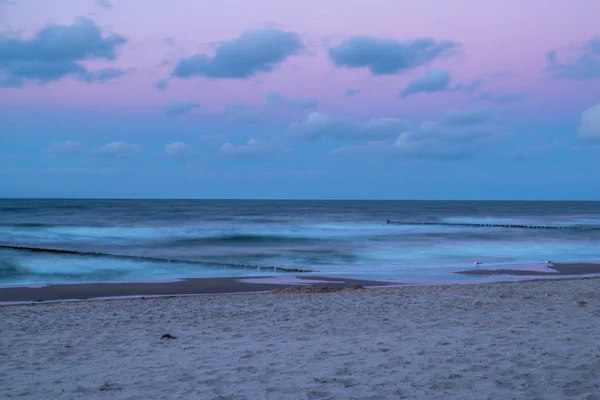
348,238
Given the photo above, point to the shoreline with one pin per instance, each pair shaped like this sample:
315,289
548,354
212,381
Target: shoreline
53,293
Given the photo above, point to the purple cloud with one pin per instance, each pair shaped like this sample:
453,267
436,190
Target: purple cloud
585,65
388,56
176,108
434,80
252,52
57,51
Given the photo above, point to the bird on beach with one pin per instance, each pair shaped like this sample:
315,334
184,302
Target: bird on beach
477,263
549,264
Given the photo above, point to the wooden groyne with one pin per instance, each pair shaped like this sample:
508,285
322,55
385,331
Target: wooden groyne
153,259
514,226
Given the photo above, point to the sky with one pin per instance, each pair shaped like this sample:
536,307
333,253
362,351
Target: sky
352,99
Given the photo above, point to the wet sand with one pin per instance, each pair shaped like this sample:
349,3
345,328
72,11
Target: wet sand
558,269
199,286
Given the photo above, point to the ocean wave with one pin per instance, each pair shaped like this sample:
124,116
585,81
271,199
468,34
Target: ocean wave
11,269
241,239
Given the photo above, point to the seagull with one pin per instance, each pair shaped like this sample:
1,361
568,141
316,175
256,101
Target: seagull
477,263
549,264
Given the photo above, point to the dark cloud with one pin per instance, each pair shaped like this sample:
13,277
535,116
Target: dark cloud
465,117
56,51
243,57
319,126
176,107
11,82
434,80
276,99
161,85
475,85
104,4
105,75
439,80
387,56
583,64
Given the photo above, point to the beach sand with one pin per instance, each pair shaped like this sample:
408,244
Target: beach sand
499,341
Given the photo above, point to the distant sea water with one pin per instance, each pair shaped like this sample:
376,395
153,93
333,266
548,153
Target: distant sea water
346,238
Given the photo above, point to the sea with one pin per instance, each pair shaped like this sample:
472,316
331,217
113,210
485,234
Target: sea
162,240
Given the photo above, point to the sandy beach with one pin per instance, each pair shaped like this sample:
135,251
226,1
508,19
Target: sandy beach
500,341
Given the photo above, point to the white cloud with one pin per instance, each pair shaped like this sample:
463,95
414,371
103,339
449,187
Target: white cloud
589,128
59,149
253,149
176,108
442,140
179,149
117,149
318,125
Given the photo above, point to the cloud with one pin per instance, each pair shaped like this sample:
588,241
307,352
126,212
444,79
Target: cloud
176,108
58,149
105,75
161,85
503,98
11,82
475,85
117,149
178,150
254,149
104,4
434,80
275,99
451,138
583,64
252,52
318,126
57,51
388,56
437,80
351,92
589,128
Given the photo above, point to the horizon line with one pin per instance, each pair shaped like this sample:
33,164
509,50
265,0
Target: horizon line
287,199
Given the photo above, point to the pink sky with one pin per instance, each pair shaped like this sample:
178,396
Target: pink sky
507,35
